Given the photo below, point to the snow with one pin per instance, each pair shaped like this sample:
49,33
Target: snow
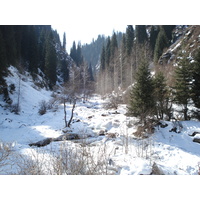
174,153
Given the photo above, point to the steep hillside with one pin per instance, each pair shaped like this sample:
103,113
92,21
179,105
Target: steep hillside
187,39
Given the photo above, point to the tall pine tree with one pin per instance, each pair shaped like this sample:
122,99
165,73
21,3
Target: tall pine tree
130,34
161,43
183,84
51,60
196,80
141,34
141,97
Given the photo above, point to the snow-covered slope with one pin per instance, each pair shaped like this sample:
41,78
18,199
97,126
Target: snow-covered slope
116,149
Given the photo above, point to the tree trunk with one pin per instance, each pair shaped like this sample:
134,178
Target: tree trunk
72,114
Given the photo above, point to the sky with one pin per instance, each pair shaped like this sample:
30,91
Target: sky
85,32
85,20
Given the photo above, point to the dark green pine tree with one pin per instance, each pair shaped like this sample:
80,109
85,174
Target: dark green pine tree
103,59
161,95
113,44
161,43
79,57
42,48
73,52
129,39
196,80
64,42
141,97
3,59
168,30
108,51
51,60
153,36
90,73
141,34
33,50
65,69
182,87
8,32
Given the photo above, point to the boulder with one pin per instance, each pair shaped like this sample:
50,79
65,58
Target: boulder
102,132
196,140
156,170
194,133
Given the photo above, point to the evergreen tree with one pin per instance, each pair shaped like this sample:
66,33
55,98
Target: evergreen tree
196,80
141,97
161,95
8,32
64,42
51,61
90,73
153,36
65,69
103,59
42,48
113,44
73,53
129,39
168,30
3,59
183,84
161,43
141,34
33,50
108,51
79,57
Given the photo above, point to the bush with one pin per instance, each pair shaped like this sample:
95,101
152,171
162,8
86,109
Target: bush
42,107
113,102
5,151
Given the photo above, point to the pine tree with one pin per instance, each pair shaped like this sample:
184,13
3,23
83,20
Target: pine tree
153,36
3,59
168,30
51,61
33,50
79,57
141,34
161,43
8,32
103,59
113,44
90,73
108,51
129,39
196,80
183,84
64,42
141,97
161,95
73,52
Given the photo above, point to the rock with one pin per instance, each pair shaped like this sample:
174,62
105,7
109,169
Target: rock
101,132
156,170
173,130
90,117
42,143
194,133
196,140
111,135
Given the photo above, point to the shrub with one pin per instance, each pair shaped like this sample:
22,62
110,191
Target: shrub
42,107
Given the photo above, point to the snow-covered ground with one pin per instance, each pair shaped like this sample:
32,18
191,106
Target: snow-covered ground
174,153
